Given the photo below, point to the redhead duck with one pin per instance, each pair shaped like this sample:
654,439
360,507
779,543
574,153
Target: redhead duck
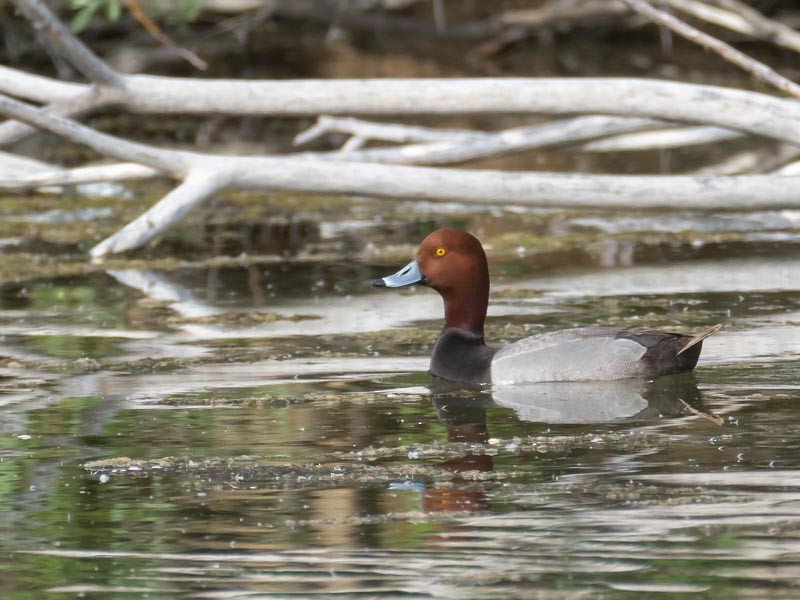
454,264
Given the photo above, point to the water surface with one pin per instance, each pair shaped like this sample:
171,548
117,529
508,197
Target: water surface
266,427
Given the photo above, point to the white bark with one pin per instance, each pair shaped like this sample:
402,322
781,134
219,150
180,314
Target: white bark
171,162
661,139
792,169
206,174
455,145
757,69
387,132
756,113
563,130
37,88
741,18
625,105
197,187
87,100
498,187
68,46
757,160
51,176
751,112
558,190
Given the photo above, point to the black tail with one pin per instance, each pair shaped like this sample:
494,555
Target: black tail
700,337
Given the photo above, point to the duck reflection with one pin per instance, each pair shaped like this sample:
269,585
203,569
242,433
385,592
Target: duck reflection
462,410
464,416
601,401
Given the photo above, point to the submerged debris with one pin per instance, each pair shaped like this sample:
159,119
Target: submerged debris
369,465
239,319
250,471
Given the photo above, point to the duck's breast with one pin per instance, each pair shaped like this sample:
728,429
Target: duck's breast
584,354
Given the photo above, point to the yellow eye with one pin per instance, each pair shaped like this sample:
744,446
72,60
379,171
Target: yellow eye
441,252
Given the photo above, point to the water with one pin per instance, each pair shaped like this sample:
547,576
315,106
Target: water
264,426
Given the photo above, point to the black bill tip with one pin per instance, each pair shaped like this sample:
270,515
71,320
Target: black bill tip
378,283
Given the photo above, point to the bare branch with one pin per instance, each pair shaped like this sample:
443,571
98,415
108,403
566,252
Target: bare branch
790,170
57,176
552,132
661,139
164,214
208,174
490,187
170,162
516,25
453,146
756,113
757,160
552,12
752,112
445,146
83,102
755,68
11,164
37,88
70,47
155,31
388,132
497,187
738,16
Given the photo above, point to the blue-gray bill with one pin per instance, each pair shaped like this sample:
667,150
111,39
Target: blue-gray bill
408,275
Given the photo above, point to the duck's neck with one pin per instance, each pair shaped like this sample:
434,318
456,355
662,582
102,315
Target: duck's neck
465,304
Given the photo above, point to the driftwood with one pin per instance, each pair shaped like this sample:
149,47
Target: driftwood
613,106
740,59
739,17
449,145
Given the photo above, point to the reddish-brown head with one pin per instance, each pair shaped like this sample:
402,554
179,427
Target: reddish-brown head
454,264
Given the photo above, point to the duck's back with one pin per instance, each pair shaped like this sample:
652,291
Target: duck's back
593,353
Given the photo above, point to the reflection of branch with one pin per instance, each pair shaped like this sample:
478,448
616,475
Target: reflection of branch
757,69
158,287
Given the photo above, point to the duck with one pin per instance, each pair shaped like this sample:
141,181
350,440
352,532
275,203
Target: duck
453,263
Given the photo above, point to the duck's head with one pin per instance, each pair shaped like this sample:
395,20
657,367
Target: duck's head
454,264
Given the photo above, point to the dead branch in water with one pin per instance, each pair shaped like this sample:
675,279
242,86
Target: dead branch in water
204,174
612,106
446,146
757,69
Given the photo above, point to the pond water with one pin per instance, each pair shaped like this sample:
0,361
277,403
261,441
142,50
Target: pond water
264,425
